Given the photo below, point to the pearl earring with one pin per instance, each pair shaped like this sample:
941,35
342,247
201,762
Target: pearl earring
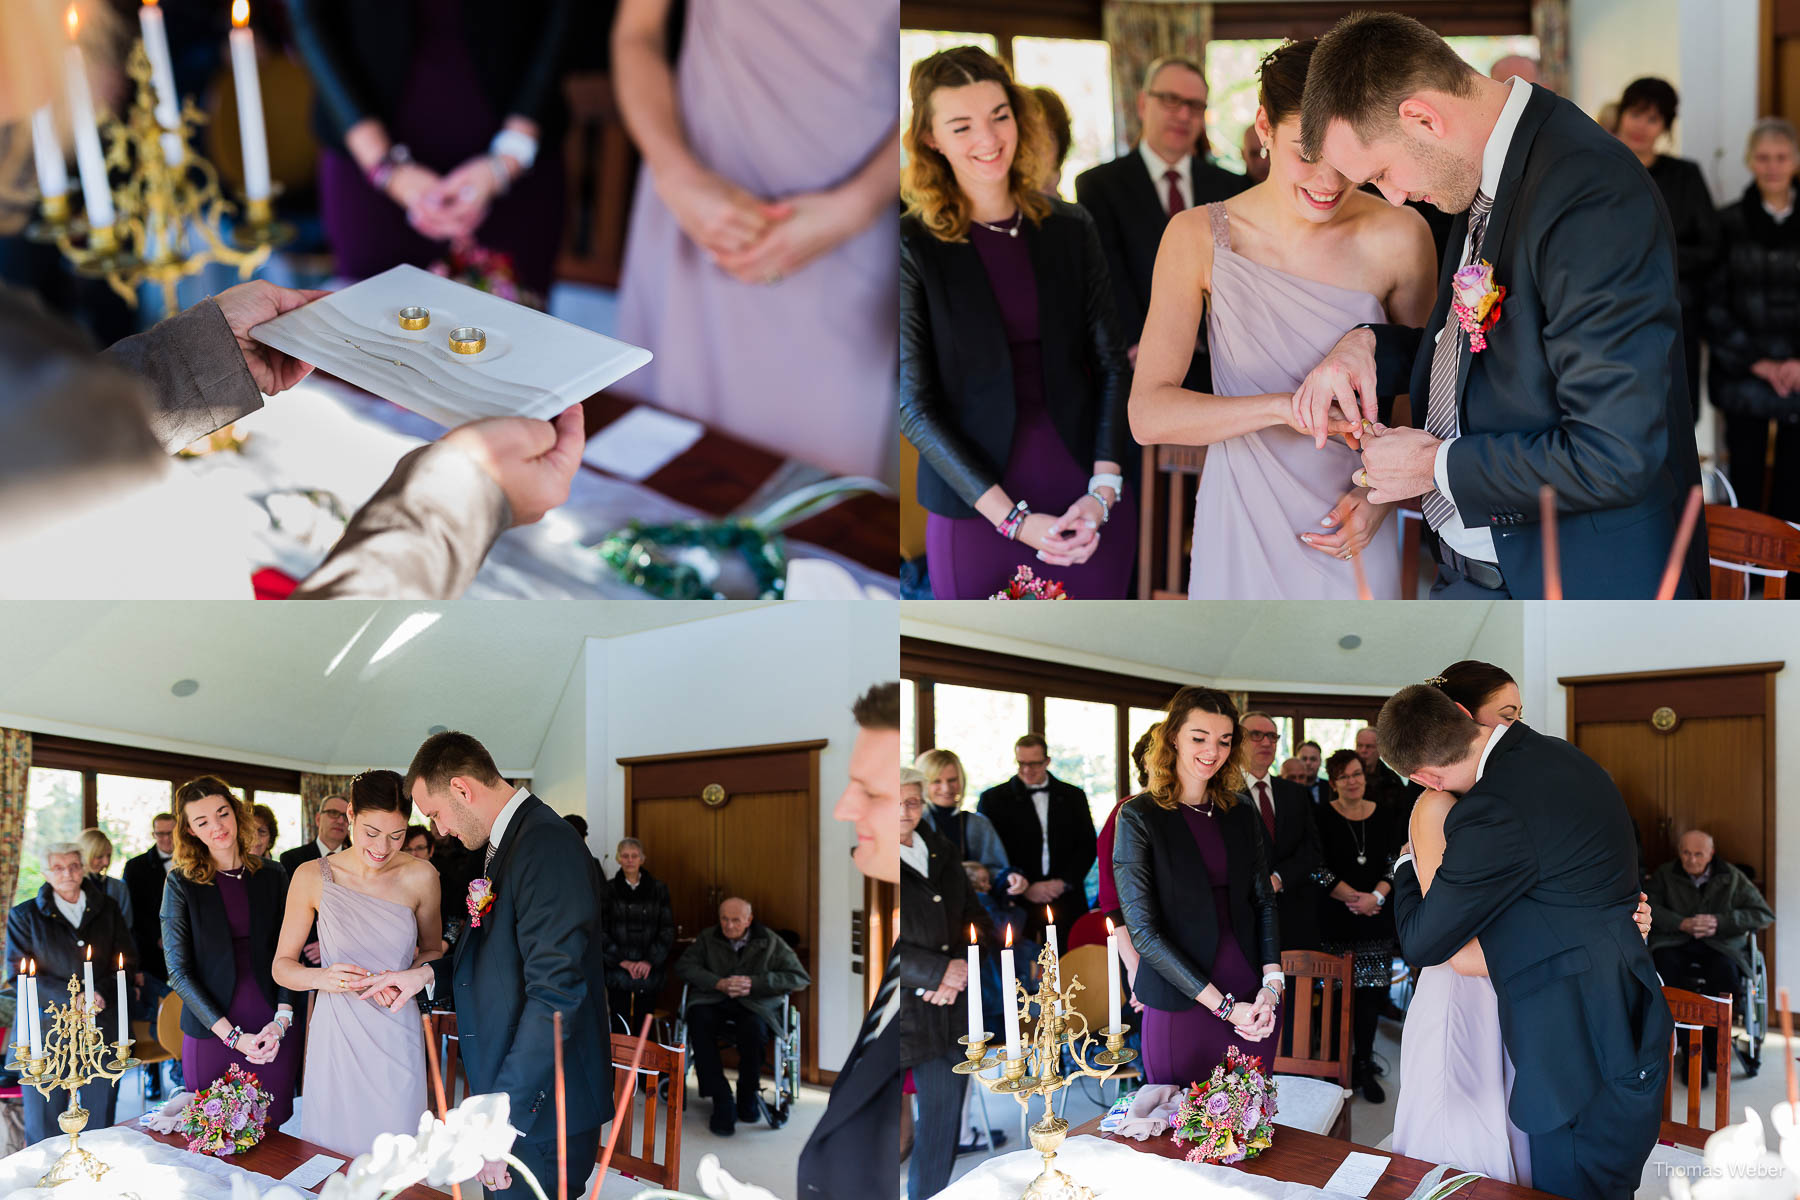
1265,152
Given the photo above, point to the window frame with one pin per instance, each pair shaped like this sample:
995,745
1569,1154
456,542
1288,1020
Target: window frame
94,759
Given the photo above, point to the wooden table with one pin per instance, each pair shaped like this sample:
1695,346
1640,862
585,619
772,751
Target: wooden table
1299,1156
278,1153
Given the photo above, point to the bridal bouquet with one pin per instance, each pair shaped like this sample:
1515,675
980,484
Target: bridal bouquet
1027,586
227,1116
1227,1118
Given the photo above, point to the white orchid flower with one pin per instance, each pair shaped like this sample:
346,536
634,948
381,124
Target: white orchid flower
445,1157
483,1122
719,1184
392,1164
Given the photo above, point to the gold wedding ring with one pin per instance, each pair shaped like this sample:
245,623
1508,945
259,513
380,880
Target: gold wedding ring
1361,477
467,339
414,316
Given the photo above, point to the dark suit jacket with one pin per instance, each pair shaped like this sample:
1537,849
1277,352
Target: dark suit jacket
292,859
956,375
1071,835
1583,384
536,952
1540,864
936,910
854,1150
1129,213
1294,855
144,879
196,937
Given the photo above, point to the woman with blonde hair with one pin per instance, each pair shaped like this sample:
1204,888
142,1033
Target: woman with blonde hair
96,860
1192,871
1013,373
973,835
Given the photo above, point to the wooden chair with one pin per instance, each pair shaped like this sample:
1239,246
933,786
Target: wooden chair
443,1032
1088,964
1741,543
152,1047
602,168
1168,508
659,1063
1089,930
1694,1014
1318,1049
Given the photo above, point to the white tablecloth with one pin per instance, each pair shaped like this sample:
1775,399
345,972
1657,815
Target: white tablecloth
1117,1171
141,1167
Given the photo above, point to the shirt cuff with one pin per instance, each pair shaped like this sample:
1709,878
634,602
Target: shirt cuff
1277,875
1404,858
431,987
1440,469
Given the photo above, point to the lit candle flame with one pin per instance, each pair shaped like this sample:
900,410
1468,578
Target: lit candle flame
122,957
1048,918
240,13
149,3
74,22
90,954
971,935
1009,937
1109,927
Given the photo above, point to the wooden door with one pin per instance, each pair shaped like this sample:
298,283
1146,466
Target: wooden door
1690,749
741,822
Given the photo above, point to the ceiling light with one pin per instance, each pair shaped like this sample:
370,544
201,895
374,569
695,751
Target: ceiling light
410,628
184,688
1349,641
437,729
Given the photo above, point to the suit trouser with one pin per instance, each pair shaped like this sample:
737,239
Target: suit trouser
1600,1155
539,1154
97,1097
707,1023
940,1096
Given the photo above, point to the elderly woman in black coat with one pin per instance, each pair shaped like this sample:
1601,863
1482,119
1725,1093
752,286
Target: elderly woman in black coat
1753,322
70,917
640,932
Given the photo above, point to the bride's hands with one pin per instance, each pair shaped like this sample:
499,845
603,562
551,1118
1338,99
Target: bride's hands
342,977
1354,519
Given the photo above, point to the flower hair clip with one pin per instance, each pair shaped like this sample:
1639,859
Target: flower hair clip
1436,681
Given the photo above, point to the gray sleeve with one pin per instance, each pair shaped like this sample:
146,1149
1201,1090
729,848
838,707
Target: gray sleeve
196,374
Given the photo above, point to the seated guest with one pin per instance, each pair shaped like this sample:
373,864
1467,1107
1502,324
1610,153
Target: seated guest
639,933
1056,119
1192,868
737,973
419,841
1132,197
1359,841
940,774
1013,376
1048,832
1701,908
1753,325
1287,819
1646,116
221,918
267,830
96,857
71,917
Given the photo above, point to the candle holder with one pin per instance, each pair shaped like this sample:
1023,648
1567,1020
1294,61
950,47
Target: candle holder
159,204
1038,1070
260,227
977,1057
74,1054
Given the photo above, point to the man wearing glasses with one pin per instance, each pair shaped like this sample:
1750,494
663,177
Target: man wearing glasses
1048,833
1132,197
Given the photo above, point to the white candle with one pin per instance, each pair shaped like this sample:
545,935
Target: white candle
162,77
1055,958
96,190
87,979
53,177
124,1025
37,1019
1112,977
973,990
249,103
1009,1006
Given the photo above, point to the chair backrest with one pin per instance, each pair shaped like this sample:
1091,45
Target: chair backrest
449,1046
1319,1047
1169,477
1694,1014
636,1152
168,1023
1764,545
1089,930
601,166
1088,964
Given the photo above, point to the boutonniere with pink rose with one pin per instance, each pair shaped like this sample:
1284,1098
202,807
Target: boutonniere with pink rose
481,898
1475,299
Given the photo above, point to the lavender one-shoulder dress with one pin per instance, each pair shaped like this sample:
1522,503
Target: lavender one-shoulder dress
1266,329
365,1066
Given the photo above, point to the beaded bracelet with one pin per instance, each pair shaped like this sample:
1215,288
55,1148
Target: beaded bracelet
1223,1012
231,1039
1009,526
1105,508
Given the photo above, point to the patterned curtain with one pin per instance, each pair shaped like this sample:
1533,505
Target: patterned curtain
1550,22
1241,700
15,769
313,790
1140,32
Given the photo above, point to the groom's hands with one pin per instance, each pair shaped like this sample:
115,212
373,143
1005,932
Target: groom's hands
1398,464
1346,378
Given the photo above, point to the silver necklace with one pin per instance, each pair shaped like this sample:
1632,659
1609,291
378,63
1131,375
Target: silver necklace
1018,220
1362,840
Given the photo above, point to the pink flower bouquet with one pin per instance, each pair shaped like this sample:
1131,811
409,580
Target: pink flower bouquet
227,1116
1228,1118
1026,586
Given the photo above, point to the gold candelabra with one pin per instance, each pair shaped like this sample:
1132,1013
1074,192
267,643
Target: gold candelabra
1038,1071
72,1053
157,205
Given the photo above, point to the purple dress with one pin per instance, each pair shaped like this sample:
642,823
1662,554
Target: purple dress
966,558
445,119
1183,1047
204,1060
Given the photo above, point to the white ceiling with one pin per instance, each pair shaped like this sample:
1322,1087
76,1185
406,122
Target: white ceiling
1289,643
269,690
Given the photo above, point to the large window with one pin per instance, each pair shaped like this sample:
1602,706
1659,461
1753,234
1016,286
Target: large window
125,806
980,724
52,815
908,718
286,806
1084,749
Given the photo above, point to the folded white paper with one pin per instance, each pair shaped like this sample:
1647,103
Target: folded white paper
313,1171
1358,1174
641,443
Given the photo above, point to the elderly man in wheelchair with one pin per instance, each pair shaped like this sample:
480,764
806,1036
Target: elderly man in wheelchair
1704,917
737,978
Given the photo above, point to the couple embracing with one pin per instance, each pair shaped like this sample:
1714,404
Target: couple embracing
1320,300
532,948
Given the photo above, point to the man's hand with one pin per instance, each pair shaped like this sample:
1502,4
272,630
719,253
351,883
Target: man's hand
1274,882
1045,890
1015,884
532,461
1345,378
637,969
494,1177
1701,925
956,976
310,952
1642,916
250,304
1398,464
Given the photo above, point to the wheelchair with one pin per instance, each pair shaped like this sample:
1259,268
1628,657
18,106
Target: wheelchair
784,1049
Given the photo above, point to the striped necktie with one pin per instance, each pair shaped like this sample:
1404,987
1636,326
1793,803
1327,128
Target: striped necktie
487,861
1446,360
890,983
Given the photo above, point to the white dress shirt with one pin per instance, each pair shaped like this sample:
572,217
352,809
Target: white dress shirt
1478,543
1040,799
322,848
74,912
498,832
168,861
916,856
1154,163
